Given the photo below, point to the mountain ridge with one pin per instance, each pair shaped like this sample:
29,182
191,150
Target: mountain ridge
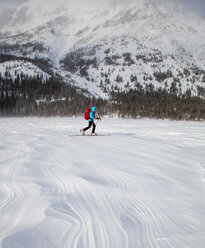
144,39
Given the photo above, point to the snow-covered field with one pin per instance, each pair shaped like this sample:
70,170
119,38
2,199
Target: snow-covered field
141,187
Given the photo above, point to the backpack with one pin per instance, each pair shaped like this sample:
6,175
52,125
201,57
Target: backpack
87,113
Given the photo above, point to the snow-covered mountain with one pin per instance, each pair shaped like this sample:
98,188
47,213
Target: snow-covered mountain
112,46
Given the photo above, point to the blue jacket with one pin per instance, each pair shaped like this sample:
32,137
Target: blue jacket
92,114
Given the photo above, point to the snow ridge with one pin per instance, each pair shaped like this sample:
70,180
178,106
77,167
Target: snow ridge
16,67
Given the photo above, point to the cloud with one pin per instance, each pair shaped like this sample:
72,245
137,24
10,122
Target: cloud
12,3
38,6
197,6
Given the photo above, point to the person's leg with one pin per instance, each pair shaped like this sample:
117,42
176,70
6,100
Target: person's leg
89,125
94,126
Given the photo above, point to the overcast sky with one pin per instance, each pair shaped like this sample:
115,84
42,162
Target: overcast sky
8,3
195,5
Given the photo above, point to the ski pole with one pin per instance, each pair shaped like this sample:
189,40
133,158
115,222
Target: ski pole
96,122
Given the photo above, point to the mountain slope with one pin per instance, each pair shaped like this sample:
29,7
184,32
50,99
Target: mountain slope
113,46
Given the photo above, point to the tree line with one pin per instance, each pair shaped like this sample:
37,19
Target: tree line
159,104
37,96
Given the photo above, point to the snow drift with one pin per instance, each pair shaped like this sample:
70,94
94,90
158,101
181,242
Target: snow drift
143,186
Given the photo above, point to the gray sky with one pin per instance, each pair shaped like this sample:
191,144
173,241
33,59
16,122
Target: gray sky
195,5
8,3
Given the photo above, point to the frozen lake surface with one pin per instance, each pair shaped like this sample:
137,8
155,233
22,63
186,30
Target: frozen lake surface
141,187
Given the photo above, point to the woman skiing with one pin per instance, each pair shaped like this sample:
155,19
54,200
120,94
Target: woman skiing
91,122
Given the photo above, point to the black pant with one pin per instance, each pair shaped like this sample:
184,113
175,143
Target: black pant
91,123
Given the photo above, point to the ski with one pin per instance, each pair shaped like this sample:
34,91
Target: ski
88,135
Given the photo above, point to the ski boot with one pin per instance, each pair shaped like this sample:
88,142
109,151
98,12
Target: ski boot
82,131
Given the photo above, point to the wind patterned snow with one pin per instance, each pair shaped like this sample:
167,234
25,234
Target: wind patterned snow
142,186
